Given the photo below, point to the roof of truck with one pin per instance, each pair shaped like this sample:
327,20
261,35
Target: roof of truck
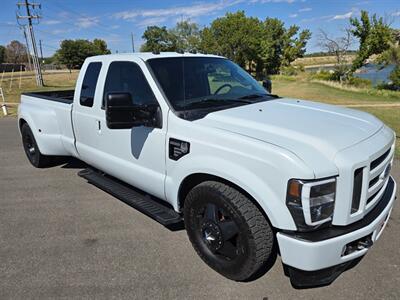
149,55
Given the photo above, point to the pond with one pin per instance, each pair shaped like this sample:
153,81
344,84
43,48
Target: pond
374,72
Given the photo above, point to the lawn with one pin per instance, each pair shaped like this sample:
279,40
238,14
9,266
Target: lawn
303,87
12,90
320,60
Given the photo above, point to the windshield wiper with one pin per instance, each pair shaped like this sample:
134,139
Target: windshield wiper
253,96
257,96
211,101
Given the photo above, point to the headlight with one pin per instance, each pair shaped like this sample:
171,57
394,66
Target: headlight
311,203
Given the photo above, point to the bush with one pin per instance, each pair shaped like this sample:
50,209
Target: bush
324,75
358,82
395,77
289,71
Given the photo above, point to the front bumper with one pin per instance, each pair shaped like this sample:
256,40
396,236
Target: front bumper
317,258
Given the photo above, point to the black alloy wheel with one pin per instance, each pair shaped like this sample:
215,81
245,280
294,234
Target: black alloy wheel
227,230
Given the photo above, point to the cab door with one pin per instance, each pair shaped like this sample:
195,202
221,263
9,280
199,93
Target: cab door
136,155
84,116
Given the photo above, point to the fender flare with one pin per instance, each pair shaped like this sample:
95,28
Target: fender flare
274,207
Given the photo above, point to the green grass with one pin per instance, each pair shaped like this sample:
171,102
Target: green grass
12,90
320,60
303,87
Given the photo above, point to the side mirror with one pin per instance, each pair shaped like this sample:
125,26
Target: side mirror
121,113
267,84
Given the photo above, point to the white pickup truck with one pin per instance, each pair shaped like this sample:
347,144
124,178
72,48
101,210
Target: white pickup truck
193,137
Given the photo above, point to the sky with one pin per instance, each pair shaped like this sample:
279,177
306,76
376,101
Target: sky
115,21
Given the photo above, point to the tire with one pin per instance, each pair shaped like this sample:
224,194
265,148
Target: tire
31,148
217,217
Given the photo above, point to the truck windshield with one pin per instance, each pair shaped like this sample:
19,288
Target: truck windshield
202,82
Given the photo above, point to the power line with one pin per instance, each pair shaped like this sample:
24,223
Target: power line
61,8
32,16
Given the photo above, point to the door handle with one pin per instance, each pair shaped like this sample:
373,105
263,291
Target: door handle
99,126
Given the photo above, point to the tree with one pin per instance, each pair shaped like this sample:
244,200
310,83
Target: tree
391,56
337,47
267,45
158,39
294,44
280,46
374,36
234,36
272,45
207,43
16,52
186,35
73,53
2,54
101,47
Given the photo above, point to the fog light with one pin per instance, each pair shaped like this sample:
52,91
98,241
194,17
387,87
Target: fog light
358,245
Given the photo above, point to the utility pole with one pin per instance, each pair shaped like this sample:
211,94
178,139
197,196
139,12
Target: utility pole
133,43
23,28
29,17
41,51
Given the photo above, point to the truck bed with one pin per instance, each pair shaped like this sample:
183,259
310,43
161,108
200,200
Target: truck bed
65,96
49,115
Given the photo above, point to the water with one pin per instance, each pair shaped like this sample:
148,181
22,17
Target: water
375,73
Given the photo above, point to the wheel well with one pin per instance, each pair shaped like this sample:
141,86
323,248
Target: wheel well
195,179
21,123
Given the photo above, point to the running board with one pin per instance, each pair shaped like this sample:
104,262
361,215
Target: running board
144,203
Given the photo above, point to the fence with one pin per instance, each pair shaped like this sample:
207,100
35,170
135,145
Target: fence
11,67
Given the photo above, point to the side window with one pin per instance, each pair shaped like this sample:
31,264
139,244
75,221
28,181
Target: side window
89,84
123,76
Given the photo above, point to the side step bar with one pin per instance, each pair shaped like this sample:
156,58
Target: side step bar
142,202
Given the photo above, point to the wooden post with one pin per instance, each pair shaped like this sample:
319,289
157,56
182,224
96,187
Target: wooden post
3,106
12,76
2,76
20,76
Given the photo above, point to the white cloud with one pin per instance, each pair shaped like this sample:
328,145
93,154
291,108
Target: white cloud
152,21
273,1
51,22
305,9
191,11
344,16
293,15
60,31
396,14
87,22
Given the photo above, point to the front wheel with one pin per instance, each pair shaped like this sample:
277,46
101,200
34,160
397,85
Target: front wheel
227,230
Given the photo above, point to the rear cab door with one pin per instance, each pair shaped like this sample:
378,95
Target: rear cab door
84,116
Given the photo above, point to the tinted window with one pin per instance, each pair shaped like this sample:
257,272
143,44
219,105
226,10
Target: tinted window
89,84
125,77
214,81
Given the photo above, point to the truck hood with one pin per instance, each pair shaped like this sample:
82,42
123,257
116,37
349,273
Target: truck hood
310,130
